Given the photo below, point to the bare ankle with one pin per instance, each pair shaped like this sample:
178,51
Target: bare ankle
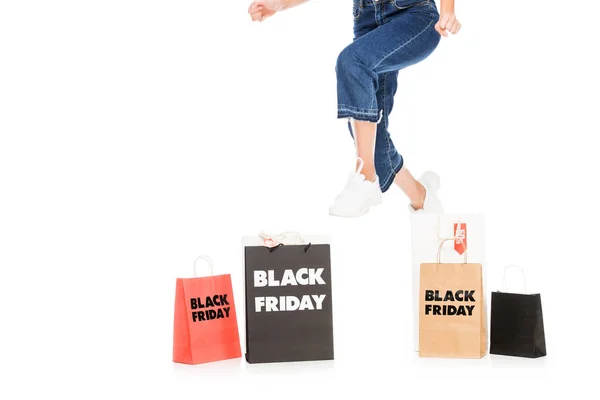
366,168
370,175
369,172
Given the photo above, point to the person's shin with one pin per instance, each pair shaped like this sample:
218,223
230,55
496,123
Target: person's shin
364,133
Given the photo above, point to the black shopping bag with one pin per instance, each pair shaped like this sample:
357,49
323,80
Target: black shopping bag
517,325
288,303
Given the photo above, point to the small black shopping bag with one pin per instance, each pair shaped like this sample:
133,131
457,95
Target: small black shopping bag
517,325
288,303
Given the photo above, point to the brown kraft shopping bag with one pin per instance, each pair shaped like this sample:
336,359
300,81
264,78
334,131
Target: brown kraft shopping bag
452,310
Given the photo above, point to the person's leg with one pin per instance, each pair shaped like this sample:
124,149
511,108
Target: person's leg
366,131
402,38
387,159
364,138
362,189
373,142
413,189
389,164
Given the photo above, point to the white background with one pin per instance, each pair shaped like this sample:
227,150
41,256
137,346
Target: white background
136,135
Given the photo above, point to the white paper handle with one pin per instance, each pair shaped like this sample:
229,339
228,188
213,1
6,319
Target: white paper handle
208,261
505,289
439,253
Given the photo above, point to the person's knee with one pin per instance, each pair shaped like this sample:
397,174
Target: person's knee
347,62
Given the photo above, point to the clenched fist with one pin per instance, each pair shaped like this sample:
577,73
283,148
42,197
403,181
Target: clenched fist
447,23
261,9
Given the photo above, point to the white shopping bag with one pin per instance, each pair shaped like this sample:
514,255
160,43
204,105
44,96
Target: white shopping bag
428,231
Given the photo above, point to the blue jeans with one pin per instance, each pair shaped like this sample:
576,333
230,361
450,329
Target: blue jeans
389,35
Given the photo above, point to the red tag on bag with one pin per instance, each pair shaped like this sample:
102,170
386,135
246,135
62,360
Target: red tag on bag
460,238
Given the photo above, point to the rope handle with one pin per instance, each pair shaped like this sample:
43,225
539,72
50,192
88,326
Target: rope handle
439,227
439,252
504,286
208,261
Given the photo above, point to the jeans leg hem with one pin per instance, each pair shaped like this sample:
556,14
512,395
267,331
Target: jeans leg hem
387,182
358,116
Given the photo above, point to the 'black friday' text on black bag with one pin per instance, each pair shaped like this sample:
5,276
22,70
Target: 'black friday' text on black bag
288,303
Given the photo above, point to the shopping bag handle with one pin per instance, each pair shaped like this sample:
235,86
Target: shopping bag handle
439,252
439,226
504,287
208,261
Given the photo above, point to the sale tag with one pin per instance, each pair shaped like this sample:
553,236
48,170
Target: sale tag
460,238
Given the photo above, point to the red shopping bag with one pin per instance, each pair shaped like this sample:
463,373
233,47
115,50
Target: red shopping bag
205,327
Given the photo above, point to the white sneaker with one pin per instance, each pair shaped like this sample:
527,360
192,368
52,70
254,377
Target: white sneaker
358,196
432,204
